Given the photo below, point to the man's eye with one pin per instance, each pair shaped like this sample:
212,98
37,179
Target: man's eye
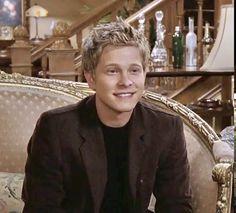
134,71
112,72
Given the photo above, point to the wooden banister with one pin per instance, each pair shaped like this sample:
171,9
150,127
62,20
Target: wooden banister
148,11
82,23
96,15
39,51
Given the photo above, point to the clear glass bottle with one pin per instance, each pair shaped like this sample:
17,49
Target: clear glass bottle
177,48
141,25
191,45
159,52
207,42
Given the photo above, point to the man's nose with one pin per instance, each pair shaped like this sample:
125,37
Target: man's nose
125,79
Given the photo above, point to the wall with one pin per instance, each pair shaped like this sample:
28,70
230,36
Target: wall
66,10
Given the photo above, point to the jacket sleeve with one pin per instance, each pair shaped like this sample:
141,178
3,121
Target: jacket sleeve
43,183
172,186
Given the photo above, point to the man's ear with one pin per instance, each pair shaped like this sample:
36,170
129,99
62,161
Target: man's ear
90,80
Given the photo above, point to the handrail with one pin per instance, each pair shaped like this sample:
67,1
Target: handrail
83,22
38,52
149,8
96,14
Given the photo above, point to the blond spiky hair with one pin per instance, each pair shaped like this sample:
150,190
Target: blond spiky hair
118,33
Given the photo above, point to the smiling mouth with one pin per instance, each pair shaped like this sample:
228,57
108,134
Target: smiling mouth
124,94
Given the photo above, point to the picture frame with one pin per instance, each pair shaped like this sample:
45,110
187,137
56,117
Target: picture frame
12,12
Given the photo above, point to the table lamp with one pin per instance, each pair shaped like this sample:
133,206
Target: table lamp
36,12
221,56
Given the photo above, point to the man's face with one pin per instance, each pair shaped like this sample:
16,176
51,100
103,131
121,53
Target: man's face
119,80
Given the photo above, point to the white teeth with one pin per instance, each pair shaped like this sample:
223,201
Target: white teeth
124,94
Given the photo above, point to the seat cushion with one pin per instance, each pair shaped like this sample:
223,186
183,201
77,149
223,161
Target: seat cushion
10,192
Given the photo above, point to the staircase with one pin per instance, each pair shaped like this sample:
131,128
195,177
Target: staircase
91,13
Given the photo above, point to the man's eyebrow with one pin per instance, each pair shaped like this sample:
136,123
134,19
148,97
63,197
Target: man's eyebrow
136,65
113,64
118,65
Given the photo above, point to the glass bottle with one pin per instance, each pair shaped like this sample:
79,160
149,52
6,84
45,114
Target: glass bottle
159,52
177,48
141,24
207,42
191,45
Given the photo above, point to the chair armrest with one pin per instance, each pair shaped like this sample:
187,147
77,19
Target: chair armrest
222,173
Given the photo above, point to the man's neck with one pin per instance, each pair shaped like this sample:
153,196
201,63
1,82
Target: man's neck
113,119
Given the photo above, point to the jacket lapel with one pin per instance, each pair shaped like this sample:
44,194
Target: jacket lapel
137,147
93,152
94,158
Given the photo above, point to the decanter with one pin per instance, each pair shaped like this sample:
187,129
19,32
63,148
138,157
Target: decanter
159,52
207,42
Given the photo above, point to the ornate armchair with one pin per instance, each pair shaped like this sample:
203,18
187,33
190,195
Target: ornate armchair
23,99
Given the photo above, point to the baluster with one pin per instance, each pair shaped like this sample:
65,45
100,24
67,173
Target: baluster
79,39
199,32
147,29
44,65
114,14
180,13
130,6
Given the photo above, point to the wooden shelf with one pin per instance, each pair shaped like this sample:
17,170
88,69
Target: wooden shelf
170,72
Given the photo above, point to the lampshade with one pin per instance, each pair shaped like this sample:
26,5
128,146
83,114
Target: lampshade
36,11
221,57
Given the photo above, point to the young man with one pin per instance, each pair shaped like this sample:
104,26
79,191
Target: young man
109,152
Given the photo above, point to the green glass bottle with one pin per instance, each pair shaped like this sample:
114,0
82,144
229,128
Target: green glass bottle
177,48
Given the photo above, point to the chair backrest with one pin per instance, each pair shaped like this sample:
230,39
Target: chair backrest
23,99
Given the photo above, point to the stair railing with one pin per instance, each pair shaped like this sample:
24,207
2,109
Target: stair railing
76,29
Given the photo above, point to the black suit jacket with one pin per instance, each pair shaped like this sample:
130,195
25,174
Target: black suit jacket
66,169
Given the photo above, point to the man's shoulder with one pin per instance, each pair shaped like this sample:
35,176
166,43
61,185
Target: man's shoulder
63,109
155,110
67,109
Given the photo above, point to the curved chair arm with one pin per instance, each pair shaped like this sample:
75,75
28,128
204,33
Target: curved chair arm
76,89
222,173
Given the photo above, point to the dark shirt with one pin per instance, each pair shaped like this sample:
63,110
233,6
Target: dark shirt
116,197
